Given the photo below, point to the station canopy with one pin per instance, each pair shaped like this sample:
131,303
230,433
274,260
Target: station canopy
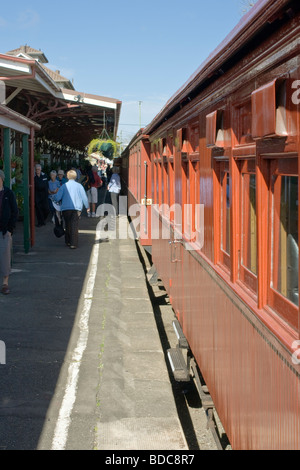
66,116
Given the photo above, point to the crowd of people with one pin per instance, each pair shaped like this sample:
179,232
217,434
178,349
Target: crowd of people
63,197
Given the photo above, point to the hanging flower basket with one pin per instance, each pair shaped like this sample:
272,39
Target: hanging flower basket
108,148
103,146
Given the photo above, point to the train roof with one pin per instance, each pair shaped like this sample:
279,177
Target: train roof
261,16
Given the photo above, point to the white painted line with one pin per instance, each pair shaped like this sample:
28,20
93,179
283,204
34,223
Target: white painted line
64,417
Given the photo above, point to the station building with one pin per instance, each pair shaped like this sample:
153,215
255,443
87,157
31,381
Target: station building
44,119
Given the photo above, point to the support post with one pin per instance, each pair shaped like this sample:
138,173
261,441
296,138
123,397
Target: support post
26,193
6,153
31,187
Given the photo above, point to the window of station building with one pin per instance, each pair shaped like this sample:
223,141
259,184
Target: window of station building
283,294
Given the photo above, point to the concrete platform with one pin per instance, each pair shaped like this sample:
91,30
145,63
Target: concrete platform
84,366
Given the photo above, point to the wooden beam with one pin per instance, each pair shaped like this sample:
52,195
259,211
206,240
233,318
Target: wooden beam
12,96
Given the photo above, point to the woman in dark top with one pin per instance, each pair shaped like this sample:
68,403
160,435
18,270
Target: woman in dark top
8,219
41,196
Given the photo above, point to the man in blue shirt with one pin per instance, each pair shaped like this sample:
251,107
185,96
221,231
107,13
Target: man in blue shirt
73,197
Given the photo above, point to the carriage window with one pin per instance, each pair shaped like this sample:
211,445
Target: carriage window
225,212
165,188
159,185
222,214
155,183
285,250
248,228
195,196
249,222
283,294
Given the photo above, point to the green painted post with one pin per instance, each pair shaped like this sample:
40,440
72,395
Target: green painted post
26,193
6,152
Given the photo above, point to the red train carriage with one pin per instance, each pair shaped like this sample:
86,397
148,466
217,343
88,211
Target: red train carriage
217,170
136,170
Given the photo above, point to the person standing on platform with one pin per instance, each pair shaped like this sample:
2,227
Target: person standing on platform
92,194
61,177
53,187
41,196
73,197
114,188
8,219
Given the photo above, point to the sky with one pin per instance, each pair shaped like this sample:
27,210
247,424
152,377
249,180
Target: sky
138,52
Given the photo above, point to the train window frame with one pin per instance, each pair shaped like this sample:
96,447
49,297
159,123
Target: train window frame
155,176
171,189
222,258
165,187
139,153
187,158
194,199
159,184
185,195
278,168
246,275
